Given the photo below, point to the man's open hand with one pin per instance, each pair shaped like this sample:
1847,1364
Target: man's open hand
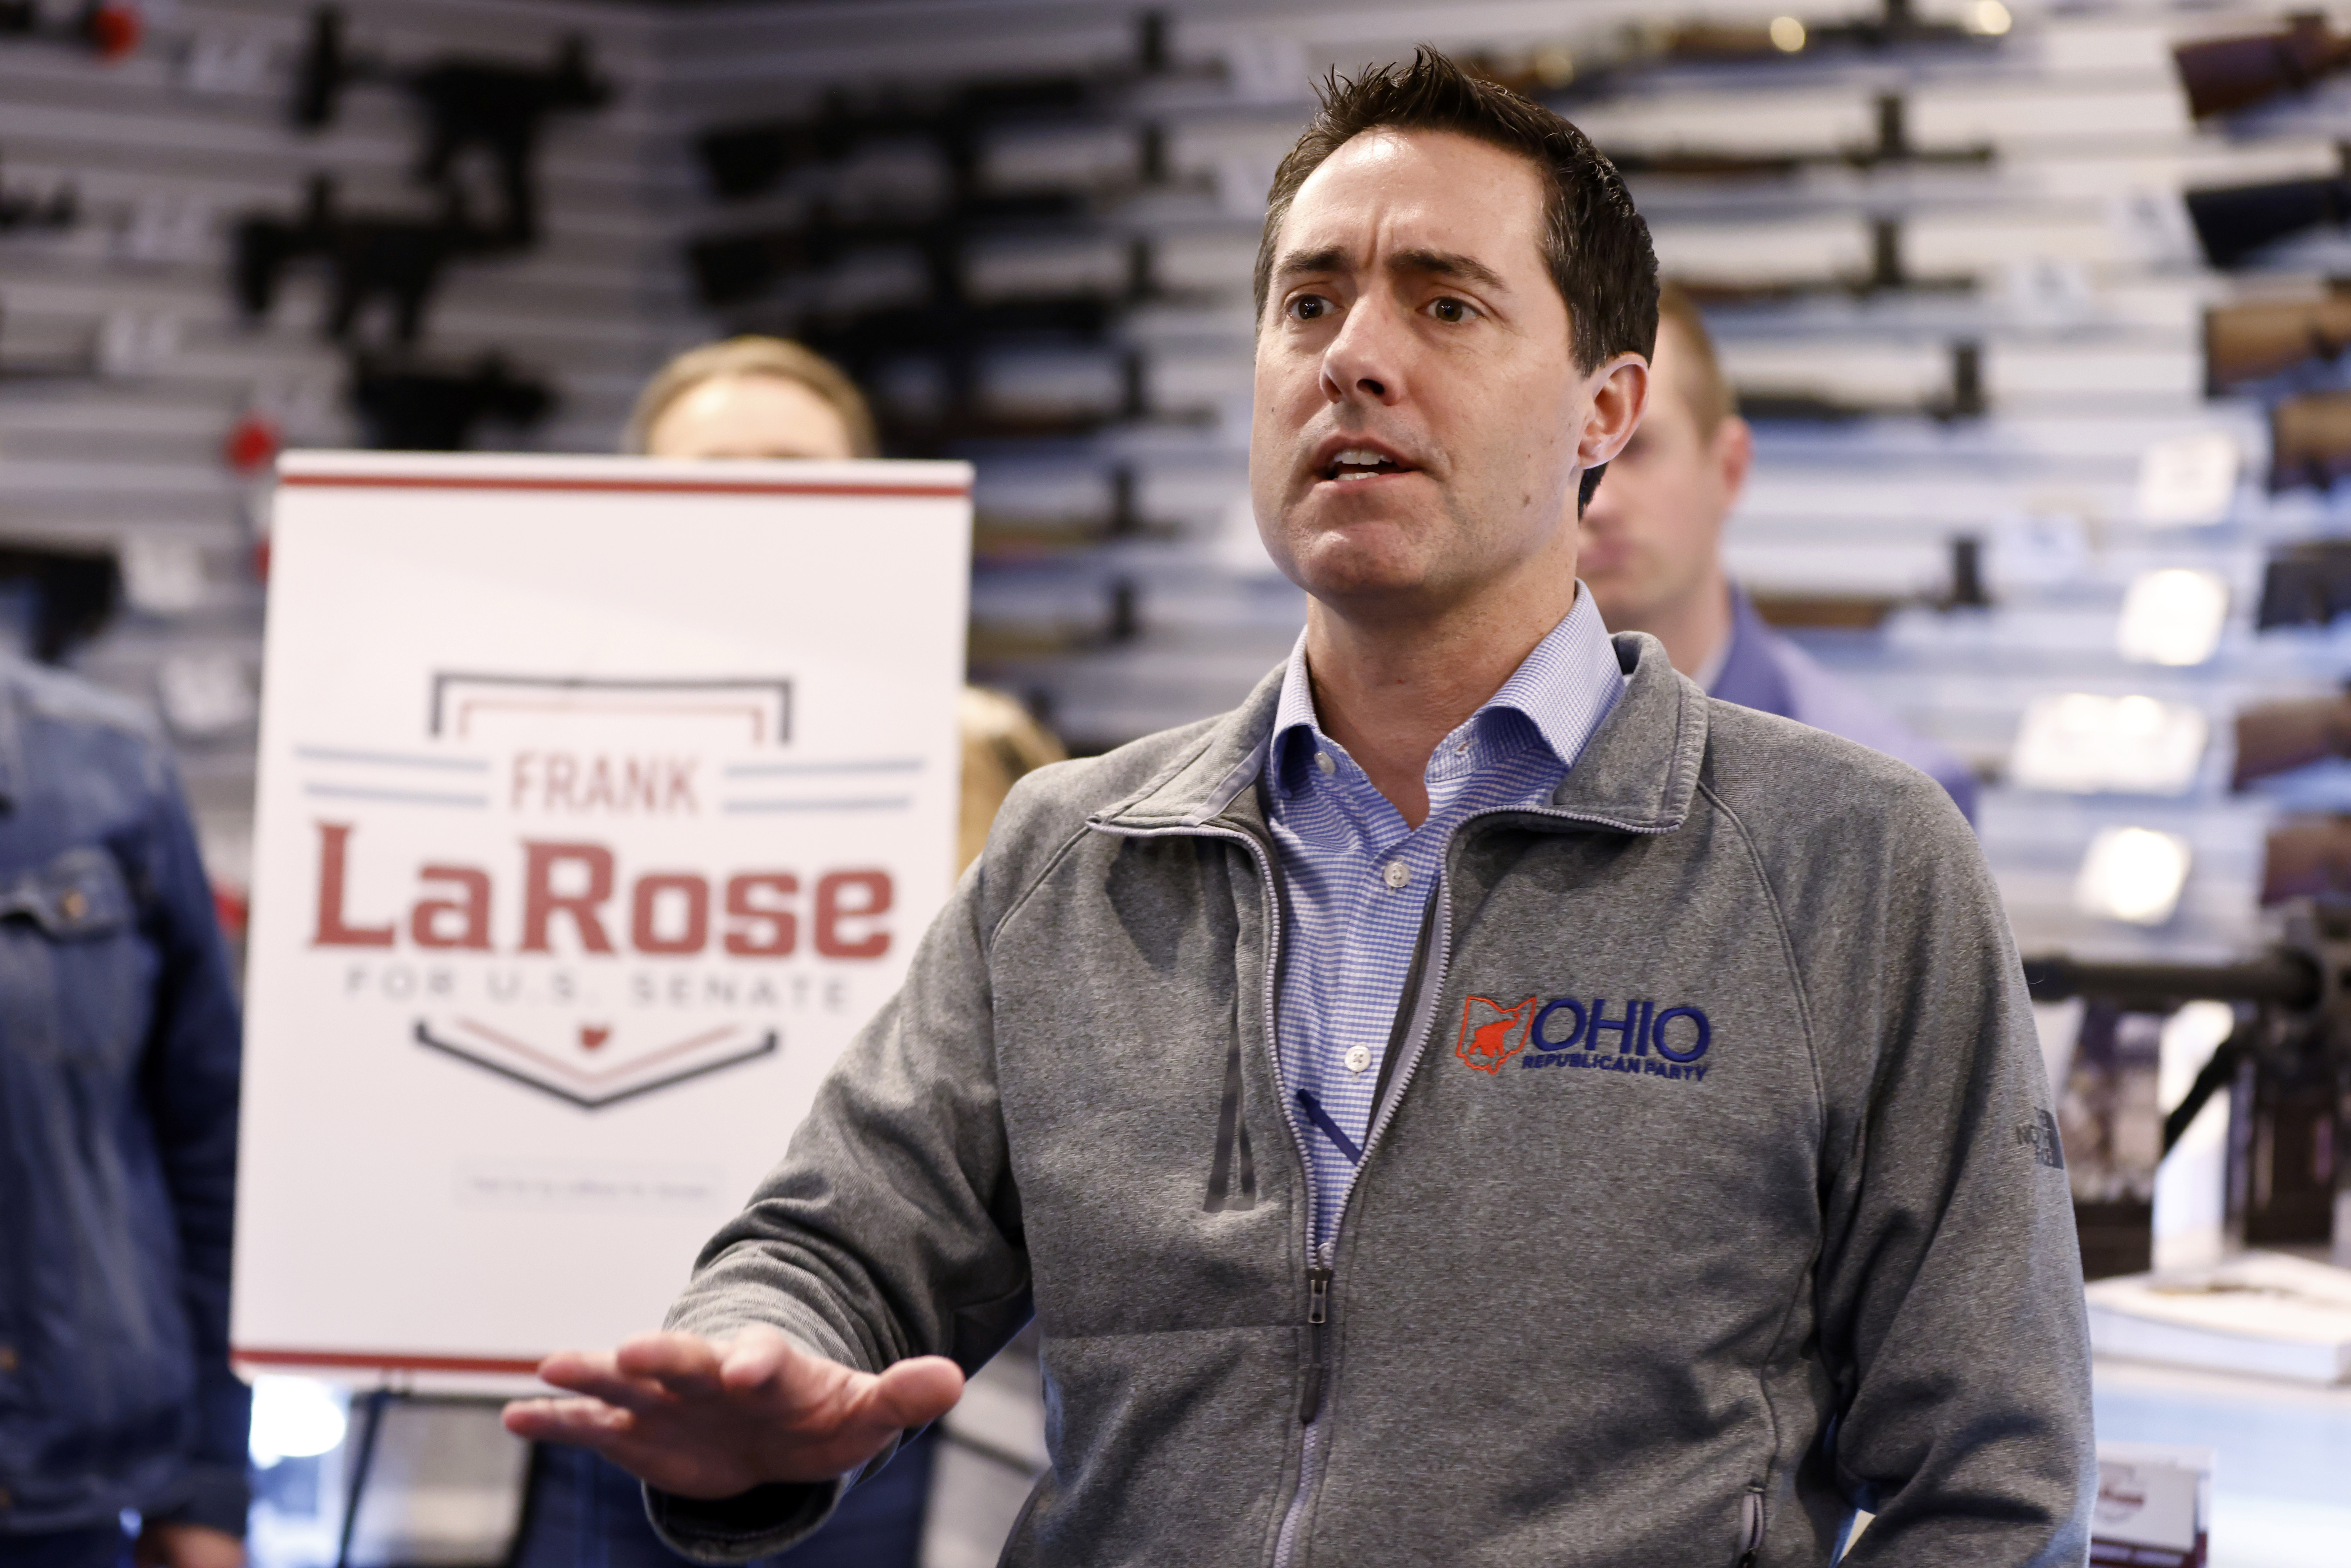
704,1420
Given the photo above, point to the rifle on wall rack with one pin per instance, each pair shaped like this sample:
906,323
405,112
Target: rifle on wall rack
494,106
1896,27
1892,148
1889,274
2306,584
1962,398
749,160
2244,70
2255,339
2310,439
407,405
2235,222
369,256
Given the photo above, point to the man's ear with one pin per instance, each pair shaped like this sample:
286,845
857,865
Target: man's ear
1621,393
1734,454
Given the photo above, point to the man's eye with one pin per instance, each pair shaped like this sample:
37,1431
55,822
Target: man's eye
1307,307
1449,310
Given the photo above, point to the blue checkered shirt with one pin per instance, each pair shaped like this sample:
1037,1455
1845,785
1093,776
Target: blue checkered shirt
1357,882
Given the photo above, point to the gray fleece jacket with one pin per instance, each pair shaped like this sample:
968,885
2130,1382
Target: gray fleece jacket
1790,1235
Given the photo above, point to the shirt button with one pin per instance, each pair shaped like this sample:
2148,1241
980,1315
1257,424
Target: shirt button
1358,1058
74,904
1322,760
8,1351
1397,874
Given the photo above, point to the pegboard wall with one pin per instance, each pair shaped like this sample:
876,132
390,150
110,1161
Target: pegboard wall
1946,246
1947,256
140,398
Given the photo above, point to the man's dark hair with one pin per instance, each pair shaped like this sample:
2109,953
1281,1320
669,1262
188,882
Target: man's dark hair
1596,244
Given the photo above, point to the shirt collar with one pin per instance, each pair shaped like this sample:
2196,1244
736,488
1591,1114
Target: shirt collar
1563,688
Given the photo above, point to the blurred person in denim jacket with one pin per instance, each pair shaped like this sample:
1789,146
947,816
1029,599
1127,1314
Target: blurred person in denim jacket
119,1054
1652,556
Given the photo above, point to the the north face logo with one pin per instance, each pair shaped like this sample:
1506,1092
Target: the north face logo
1486,1028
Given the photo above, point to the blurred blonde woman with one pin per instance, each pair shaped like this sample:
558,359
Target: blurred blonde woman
764,397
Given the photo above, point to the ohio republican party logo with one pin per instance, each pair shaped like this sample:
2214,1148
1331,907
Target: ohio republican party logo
587,886
1568,1031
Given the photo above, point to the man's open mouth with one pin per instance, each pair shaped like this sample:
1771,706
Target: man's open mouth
1362,463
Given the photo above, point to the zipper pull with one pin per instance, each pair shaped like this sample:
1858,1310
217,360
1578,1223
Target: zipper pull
1318,1313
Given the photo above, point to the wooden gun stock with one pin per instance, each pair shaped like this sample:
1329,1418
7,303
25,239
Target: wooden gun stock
2310,439
2252,342
2307,857
2280,737
2222,75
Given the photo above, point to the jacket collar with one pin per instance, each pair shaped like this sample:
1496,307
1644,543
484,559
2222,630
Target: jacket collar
1638,772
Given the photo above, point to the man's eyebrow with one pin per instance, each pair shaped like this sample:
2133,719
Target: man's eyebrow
1446,263
1329,259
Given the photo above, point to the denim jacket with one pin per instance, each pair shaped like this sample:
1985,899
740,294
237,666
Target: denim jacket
118,1048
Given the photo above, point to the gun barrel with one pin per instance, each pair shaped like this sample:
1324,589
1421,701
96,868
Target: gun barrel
2286,978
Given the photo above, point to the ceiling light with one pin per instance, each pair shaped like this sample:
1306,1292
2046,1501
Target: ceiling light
2132,874
1988,17
2172,617
1787,35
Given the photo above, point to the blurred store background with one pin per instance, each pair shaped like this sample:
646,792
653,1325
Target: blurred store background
2037,309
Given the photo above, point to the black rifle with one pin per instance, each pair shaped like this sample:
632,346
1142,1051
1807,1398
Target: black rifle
1893,148
2233,222
410,407
2305,584
1887,274
1964,399
730,268
742,161
2288,1062
369,256
2222,75
492,106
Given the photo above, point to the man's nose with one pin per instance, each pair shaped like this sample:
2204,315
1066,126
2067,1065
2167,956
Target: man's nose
1365,359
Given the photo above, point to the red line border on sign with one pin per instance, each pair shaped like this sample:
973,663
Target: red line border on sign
384,1360
640,487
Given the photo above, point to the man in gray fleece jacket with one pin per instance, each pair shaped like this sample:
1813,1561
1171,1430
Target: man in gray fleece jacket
1480,1102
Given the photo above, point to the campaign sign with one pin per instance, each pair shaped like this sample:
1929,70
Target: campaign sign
602,801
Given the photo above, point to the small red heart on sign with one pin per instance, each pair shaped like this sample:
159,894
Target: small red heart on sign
593,1035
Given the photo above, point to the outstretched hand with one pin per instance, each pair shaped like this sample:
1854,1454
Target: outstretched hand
704,1420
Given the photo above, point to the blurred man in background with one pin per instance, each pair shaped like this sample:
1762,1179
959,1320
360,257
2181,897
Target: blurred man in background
1653,558
119,1057
756,397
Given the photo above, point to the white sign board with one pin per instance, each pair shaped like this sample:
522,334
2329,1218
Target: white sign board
602,801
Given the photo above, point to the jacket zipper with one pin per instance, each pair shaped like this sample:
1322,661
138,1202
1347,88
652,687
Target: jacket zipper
1750,1526
1318,1272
